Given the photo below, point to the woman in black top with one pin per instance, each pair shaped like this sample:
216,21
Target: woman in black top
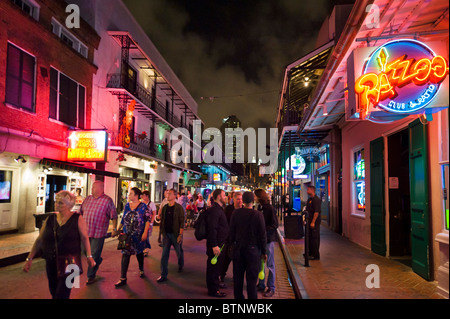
71,231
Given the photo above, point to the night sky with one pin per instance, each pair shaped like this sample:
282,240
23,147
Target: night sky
231,55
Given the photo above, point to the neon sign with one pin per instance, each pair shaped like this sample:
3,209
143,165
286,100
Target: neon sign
402,77
361,194
87,146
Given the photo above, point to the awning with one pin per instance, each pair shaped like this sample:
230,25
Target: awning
76,168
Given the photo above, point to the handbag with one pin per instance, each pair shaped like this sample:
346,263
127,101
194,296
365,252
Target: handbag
124,242
62,262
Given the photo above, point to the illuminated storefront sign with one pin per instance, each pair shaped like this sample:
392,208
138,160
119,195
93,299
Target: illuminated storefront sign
216,177
400,77
298,166
359,176
87,146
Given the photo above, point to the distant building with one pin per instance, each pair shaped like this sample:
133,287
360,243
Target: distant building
229,144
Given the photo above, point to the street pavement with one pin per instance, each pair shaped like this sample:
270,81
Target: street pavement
190,284
341,272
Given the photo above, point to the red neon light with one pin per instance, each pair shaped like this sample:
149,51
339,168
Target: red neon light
373,88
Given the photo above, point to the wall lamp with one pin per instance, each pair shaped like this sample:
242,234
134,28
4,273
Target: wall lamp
20,158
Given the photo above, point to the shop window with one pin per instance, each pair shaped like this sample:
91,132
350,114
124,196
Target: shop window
5,186
67,99
359,183
20,79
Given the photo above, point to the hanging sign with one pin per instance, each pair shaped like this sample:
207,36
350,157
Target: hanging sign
87,146
401,77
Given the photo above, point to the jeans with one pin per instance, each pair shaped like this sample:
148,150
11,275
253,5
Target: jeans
271,267
168,241
96,250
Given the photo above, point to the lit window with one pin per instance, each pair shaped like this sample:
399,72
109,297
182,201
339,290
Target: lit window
359,176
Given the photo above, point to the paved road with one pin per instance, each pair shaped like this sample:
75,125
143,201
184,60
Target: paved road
190,284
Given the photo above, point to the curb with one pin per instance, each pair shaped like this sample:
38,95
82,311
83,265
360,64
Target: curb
297,284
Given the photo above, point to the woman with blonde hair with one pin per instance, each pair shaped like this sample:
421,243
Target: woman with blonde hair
60,239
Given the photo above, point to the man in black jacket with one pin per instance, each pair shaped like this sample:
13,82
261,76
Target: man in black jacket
249,239
218,229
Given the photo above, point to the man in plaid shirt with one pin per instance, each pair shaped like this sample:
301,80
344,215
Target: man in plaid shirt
98,209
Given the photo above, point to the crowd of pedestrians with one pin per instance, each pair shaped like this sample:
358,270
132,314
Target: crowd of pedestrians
241,229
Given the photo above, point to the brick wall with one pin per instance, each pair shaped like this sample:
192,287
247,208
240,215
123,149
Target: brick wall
37,39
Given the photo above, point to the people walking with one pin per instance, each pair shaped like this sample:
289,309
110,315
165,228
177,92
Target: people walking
249,240
271,223
164,202
171,226
60,239
228,257
152,211
135,224
313,209
97,210
217,230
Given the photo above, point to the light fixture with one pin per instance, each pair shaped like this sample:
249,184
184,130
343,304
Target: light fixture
325,110
20,158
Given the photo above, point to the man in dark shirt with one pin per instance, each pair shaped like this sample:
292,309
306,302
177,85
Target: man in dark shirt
217,229
237,203
249,239
172,226
313,207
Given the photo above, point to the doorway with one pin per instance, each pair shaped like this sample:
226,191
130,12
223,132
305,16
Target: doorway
55,183
399,197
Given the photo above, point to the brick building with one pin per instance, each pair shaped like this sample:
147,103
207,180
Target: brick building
46,74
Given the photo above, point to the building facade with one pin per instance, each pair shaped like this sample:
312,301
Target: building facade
138,100
46,91
393,131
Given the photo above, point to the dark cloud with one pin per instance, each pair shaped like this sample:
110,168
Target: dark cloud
232,52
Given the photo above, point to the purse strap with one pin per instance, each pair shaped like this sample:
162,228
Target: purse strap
55,221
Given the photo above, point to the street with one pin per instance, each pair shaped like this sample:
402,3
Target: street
190,284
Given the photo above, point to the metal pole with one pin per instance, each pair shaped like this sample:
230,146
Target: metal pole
306,249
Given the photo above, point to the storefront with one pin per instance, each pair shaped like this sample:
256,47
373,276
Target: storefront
385,93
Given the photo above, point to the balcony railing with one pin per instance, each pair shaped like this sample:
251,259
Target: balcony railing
118,81
141,144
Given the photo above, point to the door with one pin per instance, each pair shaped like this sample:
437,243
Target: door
55,183
377,211
399,196
418,163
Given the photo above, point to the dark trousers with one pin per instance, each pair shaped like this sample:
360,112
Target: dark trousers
213,271
246,262
57,286
227,259
126,263
314,241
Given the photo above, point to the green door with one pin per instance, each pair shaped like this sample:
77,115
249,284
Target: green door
418,163
377,211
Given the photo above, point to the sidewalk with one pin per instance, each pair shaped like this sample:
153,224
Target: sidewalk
341,272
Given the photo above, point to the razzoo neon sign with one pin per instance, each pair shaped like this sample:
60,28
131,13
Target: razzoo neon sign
401,76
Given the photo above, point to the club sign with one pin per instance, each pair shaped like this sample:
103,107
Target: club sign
401,76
